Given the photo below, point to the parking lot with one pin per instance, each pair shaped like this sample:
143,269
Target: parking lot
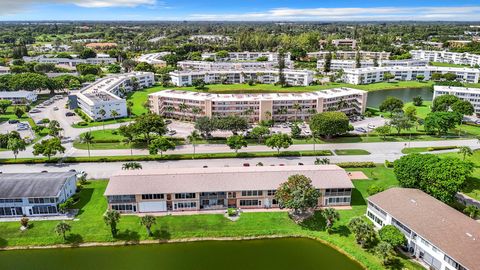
23,128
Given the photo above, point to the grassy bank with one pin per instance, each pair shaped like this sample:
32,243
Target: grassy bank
351,152
90,227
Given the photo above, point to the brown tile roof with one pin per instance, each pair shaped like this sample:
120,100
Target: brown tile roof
222,179
449,230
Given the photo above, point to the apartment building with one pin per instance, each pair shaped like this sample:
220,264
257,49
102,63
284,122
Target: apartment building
437,234
246,65
35,194
101,45
19,97
352,43
338,64
350,55
67,62
202,39
197,189
154,58
464,93
246,56
257,107
267,76
376,74
469,59
4,70
106,94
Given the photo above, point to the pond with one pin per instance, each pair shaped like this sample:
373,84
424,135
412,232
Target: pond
278,254
375,98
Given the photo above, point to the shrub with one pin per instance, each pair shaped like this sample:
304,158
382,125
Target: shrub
231,212
388,164
82,123
366,164
374,189
438,148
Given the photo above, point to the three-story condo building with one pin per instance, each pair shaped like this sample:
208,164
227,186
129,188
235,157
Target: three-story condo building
469,59
338,64
350,55
464,93
196,189
35,194
229,65
188,105
437,234
246,56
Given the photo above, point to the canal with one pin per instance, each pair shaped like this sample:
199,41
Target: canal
375,98
278,254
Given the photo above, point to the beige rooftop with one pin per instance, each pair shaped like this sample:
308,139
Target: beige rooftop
451,231
222,179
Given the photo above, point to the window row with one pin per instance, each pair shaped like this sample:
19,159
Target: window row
11,211
42,200
250,202
152,196
44,209
185,195
184,205
11,200
250,193
124,207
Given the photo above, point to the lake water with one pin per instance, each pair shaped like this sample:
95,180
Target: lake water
278,254
375,98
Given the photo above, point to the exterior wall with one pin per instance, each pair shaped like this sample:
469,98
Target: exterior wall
206,65
417,245
337,64
21,98
70,62
246,56
447,57
469,94
350,55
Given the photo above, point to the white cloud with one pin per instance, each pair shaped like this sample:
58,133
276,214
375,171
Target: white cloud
352,14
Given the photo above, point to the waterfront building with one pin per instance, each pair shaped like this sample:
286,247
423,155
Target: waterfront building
19,97
197,189
154,58
457,58
350,55
108,94
376,74
257,107
338,64
437,234
471,95
67,62
267,76
246,56
35,194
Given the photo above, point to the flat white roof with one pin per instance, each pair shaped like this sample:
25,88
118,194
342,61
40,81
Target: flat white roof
422,68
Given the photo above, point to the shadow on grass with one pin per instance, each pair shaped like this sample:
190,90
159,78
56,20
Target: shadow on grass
341,230
3,242
315,222
471,185
162,234
74,239
357,198
129,236
84,199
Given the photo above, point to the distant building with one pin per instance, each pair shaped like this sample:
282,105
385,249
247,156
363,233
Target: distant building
46,48
35,194
469,59
350,55
267,76
107,94
244,65
458,43
337,64
437,234
4,70
376,74
246,56
433,44
464,93
101,45
154,58
210,39
67,62
197,189
258,107
352,43
19,97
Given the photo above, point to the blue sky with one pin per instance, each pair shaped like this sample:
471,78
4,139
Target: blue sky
239,10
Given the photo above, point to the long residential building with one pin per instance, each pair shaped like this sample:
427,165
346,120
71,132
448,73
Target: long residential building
464,93
197,189
437,234
267,76
106,95
35,194
19,97
246,56
376,74
447,57
67,62
338,64
4,70
257,107
246,65
350,55
155,59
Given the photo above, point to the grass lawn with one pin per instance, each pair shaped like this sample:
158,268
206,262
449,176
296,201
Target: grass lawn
441,64
138,98
349,152
91,228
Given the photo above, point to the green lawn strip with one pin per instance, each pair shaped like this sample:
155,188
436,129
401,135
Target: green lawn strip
90,226
410,150
442,64
350,152
101,123
167,157
138,98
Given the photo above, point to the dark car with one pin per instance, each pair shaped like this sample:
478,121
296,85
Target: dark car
168,121
246,164
13,121
300,163
69,114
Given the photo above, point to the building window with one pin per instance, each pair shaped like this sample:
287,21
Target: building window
11,211
124,208
185,195
41,200
250,193
184,205
152,196
44,209
11,200
375,218
250,202
271,192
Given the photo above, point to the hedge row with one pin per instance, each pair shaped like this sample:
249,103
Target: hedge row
438,148
366,164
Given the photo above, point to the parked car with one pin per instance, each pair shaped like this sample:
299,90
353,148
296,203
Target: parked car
172,132
300,164
13,121
35,111
246,164
360,129
168,121
55,108
205,166
281,164
69,114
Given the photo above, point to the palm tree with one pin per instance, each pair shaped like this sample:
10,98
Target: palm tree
195,111
472,211
114,114
331,215
465,151
88,139
298,108
129,140
183,108
282,110
148,222
385,251
102,112
193,138
170,109
132,166
62,228
111,218
268,115
248,112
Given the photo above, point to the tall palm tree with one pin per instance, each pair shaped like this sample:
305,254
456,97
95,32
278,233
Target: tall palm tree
132,166
62,228
282,110
148,221
129,140
102,112
465,151
268,115
193,138
195,111
111,218
298,108
183,108
88,139
170,109
331,215
114,114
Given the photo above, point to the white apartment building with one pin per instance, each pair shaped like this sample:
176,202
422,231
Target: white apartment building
447,57
464,93
437,234
4,70
67,62
207,65
210,38
246,56
107,94
338,64
154,58
352,43
19,97
267,76
257,107
376,74
350,55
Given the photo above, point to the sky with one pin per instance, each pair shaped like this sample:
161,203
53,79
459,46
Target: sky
241,10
